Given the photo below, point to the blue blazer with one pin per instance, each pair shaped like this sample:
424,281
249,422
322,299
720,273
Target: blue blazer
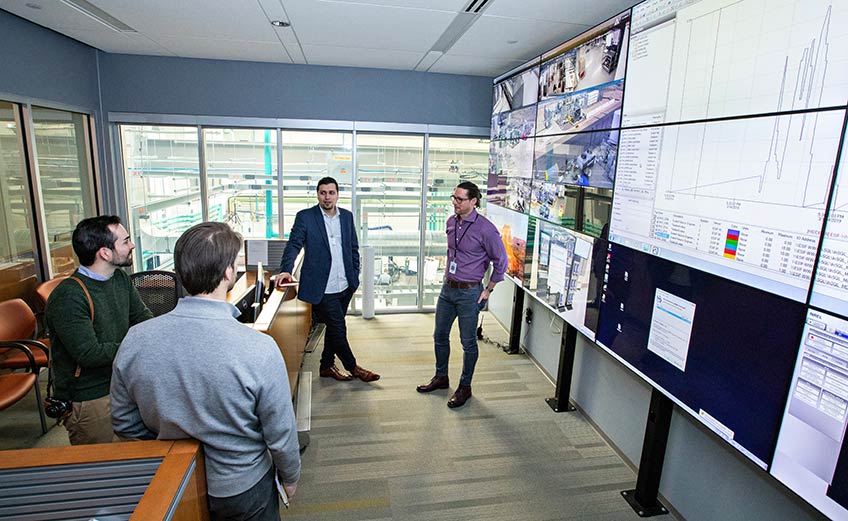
309,232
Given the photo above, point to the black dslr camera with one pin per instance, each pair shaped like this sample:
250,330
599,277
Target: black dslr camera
56,408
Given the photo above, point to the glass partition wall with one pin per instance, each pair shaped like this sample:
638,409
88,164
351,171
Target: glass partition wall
397,185
47,182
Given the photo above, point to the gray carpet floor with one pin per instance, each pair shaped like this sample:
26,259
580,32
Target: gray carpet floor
382,451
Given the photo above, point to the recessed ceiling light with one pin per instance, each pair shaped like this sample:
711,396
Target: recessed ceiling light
32,5
280,23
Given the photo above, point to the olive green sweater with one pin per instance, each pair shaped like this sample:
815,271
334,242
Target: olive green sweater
75,341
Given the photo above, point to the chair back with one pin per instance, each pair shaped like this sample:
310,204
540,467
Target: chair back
17,321
43,290
159,290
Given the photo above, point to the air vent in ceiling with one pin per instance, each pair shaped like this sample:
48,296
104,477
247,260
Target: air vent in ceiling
95,13
475,6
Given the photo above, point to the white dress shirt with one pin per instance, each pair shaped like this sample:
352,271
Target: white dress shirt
337,282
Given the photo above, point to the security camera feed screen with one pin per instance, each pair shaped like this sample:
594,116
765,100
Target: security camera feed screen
554,202
563,273
513,158
725,352
584,159
513,229
517,91
593,58
811,456
596,108
516,125
704,59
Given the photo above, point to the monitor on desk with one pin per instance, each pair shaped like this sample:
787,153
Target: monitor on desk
269,252
250,303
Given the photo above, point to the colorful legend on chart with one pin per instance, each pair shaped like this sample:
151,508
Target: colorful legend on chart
731,243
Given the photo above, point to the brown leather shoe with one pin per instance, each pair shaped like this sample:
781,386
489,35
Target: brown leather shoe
365,375
437,382
333,372
462,394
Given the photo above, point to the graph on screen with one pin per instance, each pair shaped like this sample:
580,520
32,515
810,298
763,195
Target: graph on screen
743,199
830,290
717,58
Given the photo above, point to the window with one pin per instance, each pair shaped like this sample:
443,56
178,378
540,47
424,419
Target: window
307,157
451,160
17,260
65,180
241,171
162,175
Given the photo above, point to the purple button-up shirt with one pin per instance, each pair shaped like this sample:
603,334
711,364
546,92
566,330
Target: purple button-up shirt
473,243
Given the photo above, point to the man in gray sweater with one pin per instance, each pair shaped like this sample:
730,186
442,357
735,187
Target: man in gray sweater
197,372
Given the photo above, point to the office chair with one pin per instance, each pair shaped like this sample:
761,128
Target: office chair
19,351
14,386
159,290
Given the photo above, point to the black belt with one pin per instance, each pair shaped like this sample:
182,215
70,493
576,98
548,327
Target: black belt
461,285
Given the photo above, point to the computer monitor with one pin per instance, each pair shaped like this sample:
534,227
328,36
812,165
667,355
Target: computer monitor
259,291
267,251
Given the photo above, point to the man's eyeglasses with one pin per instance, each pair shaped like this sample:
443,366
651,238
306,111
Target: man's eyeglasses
459,199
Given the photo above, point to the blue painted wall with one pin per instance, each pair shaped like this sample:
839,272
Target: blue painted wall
162,85
42,65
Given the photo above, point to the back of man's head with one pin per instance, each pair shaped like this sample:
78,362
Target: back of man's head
202,255
91,234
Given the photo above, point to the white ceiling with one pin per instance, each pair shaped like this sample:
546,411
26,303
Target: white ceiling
421,35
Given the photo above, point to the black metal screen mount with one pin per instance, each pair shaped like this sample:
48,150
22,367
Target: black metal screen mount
643,499
568,345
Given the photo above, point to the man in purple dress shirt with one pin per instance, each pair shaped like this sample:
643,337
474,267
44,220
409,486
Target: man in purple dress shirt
473,243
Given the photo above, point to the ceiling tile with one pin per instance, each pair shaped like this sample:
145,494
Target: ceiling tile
581,12
359,57
198,18
438,5
474,65
121,43
216,48
368,26
489,35
54,15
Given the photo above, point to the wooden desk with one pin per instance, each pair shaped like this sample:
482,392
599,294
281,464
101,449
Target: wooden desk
284,318
153,480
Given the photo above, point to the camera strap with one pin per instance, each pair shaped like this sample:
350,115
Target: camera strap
90,311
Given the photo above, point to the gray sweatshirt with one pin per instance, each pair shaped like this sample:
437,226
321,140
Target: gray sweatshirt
197,372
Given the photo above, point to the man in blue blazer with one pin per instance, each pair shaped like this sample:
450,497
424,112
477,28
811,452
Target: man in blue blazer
329,275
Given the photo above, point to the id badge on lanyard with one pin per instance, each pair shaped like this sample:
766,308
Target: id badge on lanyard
452,268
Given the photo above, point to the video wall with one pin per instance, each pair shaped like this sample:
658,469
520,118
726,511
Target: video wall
679,169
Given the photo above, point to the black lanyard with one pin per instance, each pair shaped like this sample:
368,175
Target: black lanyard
456,238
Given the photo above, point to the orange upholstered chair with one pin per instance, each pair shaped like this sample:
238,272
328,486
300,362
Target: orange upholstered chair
14,386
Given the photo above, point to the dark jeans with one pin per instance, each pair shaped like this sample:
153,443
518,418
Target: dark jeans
331,311
258,503
456,303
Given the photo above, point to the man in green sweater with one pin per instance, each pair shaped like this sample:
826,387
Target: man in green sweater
83,345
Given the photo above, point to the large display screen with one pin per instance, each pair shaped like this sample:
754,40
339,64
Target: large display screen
740,198
830,289
811,446
691,149
586,61
722,350
705,59
516,91
562,271
513,229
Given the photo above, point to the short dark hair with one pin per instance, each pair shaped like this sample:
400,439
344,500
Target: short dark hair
327,181
91,234
472,190
202,255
